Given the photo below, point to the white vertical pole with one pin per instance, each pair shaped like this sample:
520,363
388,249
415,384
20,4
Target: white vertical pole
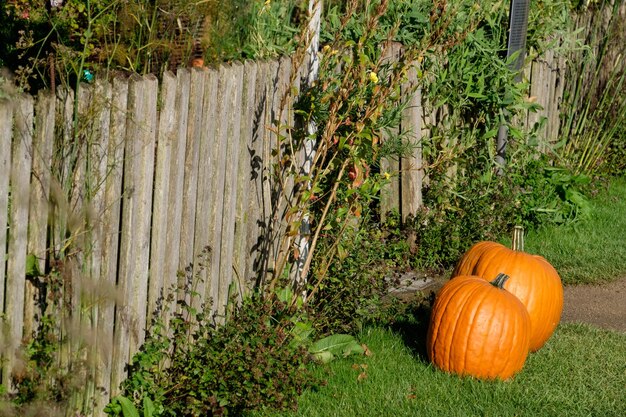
315,11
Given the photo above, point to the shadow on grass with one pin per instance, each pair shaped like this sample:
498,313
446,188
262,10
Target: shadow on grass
413,326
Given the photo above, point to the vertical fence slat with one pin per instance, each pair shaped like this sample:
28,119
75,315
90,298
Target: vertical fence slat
176,180
39,194
230,189
146,139
168,131
110,238
190,188
533,117
40,190
206,174
270,189
111,367
6,140
224,95
99,291
257,220
390,194
244,173
136,220
21,164
283,181
560,90
412,170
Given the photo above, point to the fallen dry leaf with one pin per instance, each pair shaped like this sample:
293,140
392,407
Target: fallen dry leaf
366,350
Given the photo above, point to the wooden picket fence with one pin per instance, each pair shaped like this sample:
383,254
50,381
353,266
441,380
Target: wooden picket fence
148,179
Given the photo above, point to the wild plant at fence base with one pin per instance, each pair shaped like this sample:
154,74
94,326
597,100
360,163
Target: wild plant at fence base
189,365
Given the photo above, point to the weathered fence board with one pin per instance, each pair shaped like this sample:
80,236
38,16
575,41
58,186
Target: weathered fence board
206,194
412,170
168,129
110,234
258,203
176,181
39,194
190,186
6,135
230,190
21,163
391,193
136,221
225,92
244,176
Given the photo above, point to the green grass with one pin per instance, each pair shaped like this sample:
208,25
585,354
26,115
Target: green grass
581,371
591,250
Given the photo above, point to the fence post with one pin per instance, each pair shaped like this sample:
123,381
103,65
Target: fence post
390,194
412,171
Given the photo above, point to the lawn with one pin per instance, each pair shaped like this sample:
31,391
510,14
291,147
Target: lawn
591,250
581,371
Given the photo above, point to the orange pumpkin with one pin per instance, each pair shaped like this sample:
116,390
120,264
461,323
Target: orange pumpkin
477,328
533,280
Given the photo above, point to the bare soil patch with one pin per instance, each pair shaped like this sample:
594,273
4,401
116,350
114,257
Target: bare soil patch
601,305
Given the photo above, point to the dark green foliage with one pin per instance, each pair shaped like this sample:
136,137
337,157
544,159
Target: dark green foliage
487,206
355,291
194,367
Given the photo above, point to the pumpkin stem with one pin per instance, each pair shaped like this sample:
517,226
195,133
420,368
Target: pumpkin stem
518,238
500,280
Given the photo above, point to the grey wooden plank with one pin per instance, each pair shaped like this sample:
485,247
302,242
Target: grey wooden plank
190,187
176,182
230,184
412,167
21,163
111,369
6,141
244,189
40,192
257,206
206,195
136,220
167,136
224,96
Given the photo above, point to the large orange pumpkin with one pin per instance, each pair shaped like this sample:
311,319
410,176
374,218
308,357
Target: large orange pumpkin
533,280
477,328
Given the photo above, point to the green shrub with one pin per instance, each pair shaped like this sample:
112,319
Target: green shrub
193,366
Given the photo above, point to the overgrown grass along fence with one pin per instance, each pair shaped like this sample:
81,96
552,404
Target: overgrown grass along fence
144,181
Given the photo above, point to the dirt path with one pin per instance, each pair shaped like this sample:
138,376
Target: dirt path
602,305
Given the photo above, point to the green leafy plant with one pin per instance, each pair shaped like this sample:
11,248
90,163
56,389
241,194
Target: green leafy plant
190,365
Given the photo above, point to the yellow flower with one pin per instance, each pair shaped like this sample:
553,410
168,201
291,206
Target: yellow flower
387,175
374,77
267,2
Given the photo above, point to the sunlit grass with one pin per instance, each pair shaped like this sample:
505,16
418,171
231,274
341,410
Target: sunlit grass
591,250
579,372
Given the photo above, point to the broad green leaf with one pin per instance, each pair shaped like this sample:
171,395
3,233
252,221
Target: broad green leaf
334,345
148,407
128,408
32,266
